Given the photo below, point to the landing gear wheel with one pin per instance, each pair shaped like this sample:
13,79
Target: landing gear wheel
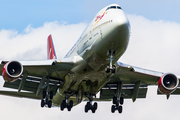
120,109
45,100
88,105
113,108
95,106
51,95
62,108
71,103
121,100
91,107
114,100
107,69
49,104
93,110
44,94
63,105
42,103
69,108
113,69
86,109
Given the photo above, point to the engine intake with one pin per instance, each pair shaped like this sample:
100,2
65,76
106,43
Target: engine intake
168,83
12,71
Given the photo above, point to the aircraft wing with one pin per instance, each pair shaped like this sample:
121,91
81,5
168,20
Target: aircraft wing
135,82
35,79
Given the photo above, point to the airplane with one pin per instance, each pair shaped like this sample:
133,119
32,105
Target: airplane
89,69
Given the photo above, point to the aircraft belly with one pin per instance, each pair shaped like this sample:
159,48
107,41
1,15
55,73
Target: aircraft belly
58,98
89,82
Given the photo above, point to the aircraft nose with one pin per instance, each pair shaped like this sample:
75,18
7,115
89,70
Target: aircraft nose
120,21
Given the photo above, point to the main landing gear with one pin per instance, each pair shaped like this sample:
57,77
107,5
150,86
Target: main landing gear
117,100
117,104
110,67
65,103
47,95
47,99
89,105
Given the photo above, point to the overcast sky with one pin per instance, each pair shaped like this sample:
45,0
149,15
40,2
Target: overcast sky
154,44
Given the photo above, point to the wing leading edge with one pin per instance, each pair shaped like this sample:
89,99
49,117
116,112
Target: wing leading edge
134,82
35,74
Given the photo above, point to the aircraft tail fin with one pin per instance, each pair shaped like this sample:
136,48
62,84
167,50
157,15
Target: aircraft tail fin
51,54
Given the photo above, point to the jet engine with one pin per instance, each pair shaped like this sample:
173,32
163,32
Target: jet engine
12,71
168,83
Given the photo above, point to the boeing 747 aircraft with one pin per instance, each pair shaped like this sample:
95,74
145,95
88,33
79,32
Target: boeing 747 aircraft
91,66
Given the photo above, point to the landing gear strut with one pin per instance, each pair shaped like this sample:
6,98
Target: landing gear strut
110,67
90,106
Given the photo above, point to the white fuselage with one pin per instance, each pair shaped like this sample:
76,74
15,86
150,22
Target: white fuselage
103,29
109,30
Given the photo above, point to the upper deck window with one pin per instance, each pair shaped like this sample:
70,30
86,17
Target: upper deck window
113,7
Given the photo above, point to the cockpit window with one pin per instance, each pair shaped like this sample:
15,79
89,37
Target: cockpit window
113,7
119,7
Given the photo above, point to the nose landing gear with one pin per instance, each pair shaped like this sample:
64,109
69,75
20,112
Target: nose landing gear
110,67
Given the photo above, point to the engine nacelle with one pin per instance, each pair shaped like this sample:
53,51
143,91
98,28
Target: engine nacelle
168,83
12,71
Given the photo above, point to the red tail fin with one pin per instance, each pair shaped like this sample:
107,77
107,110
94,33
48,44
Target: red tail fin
51,54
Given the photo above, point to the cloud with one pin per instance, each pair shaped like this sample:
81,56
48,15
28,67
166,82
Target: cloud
32,43
153,45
